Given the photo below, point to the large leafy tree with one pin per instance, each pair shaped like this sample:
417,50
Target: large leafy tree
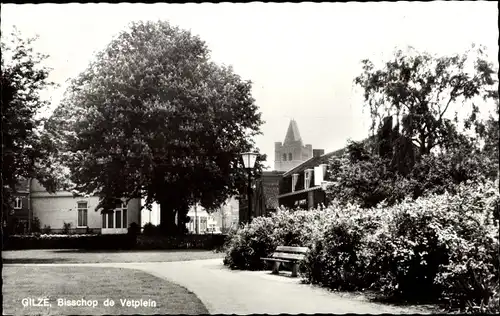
153,117
424,93
26,150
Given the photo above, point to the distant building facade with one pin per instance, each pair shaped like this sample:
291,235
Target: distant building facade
54,211
221,220
303,186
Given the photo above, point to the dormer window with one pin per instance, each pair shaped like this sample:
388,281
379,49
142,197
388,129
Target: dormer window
18,203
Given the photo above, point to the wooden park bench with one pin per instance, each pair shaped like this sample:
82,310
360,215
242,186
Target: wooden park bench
286,254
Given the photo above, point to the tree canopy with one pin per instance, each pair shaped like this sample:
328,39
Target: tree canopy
153,117
416,90
421,90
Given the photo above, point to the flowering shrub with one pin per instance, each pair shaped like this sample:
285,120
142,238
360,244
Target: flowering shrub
260,238
251,242
447,244
441,247
470,277
334,259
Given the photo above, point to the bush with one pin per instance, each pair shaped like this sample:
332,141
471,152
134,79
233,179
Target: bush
207,242
46,229
362,178
35,225
336,258
249,244
151,230
260,238
447,244
435,248
73,241
66,228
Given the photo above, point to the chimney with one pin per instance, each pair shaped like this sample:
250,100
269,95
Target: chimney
318,152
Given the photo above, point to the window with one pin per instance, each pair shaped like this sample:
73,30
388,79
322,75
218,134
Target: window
110,220
18,203
82,214
116,218
203,223
295,177
307,178
284,157
289,156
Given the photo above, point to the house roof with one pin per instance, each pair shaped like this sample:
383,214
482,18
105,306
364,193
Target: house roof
292,134
314,161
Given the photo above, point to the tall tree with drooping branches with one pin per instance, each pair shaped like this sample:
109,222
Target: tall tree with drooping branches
425,92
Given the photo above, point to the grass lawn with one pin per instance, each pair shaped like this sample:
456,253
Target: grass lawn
89,256
91,283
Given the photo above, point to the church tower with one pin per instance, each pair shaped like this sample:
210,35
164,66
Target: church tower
291,152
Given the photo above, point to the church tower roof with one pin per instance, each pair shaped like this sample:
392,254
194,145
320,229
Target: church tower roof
292,135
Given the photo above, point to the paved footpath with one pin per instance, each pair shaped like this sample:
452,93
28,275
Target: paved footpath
252,292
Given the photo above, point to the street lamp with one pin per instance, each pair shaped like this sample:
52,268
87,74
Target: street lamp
249,159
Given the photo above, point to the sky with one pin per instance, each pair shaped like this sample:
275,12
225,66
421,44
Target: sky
302,58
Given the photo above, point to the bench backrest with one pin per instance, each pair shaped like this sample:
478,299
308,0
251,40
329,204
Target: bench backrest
292,249
287,252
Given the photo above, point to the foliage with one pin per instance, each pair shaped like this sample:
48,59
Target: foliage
258,239
492,135
35,225
66,228
207,242
150,230
253,241
365,178
46,229
447,244
67,241
133,229
334,259
421,90
26,150
153,111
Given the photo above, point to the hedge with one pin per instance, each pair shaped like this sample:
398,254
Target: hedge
20,242
113,242
439,248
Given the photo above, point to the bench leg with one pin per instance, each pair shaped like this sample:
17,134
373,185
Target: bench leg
276,267
295,268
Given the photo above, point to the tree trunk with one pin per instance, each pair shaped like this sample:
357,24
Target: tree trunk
182,219
167,218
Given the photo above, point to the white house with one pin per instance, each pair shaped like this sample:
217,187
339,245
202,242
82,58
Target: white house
54,210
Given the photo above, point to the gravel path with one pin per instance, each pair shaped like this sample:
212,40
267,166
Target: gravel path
254,292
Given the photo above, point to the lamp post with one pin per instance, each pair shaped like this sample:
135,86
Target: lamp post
249,159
